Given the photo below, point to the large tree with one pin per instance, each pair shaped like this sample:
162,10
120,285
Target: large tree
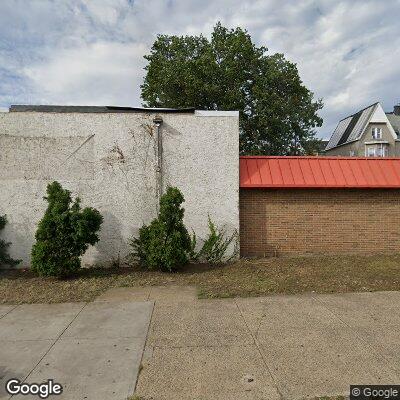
229,72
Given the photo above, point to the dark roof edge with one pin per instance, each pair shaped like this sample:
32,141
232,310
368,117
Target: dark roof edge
359,111
96,109
343,144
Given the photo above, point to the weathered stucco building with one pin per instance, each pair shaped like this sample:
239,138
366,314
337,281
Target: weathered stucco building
109,157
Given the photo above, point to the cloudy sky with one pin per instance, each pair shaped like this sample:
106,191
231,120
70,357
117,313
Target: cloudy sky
90,52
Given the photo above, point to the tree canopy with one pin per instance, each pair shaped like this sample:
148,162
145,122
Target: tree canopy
278,114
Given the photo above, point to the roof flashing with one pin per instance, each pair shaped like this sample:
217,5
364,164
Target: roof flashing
119,109
96,109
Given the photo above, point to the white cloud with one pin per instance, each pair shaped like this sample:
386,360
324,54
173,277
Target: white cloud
104,11
91,52
96,74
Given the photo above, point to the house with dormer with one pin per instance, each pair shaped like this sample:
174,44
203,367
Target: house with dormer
369,132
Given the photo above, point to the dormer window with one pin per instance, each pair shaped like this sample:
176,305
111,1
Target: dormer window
376,133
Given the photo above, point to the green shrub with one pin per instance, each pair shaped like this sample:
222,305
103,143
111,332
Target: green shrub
215,246
5,259
64,234
165,244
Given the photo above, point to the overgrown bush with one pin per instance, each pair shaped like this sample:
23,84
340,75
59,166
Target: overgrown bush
217,243
5,259
64,234
165,244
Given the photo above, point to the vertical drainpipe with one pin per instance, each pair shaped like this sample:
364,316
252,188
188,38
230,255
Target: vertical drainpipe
159,170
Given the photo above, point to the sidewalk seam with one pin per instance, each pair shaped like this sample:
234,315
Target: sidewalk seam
52,345
260,352
132,388
8,312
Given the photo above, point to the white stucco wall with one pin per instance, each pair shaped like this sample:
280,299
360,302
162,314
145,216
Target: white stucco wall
109,160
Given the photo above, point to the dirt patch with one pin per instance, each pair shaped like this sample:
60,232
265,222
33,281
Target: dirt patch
240,279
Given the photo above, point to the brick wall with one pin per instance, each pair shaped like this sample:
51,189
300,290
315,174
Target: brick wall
319,221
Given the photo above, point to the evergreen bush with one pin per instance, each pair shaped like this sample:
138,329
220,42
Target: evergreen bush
5,259
165,244
64,234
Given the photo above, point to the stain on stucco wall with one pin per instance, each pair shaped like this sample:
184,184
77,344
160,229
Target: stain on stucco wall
45,157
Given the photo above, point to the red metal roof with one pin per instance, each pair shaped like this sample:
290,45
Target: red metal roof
319,172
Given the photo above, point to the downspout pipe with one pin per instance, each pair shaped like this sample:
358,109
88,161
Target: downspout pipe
159,169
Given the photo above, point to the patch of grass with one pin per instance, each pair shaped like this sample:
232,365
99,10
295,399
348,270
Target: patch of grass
244,278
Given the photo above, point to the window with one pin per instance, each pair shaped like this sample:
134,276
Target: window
352,153
385,151
377,150
376,133
370,151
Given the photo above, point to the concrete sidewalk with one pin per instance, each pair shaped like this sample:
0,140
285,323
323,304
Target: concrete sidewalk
93,350
278,347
